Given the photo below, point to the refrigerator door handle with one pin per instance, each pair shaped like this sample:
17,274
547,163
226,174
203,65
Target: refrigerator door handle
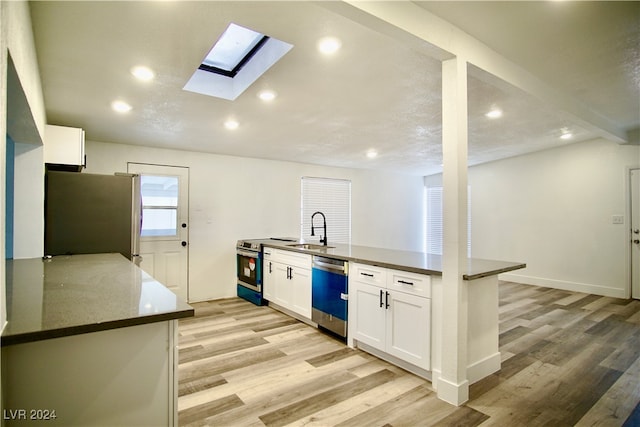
136,213
137,259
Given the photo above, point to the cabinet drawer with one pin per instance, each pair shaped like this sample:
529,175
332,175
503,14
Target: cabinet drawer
412,283
291,258
368,274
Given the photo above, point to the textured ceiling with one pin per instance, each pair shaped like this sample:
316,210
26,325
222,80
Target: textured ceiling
377,92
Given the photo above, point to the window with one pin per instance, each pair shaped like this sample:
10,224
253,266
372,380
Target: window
235,62
434,228
332,197
236,46
159,205
434,220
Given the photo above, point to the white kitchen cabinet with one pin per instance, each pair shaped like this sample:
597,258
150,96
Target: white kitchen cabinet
368,316
268,279
300,279
283,286
64,146
412,283
408,332
391,313
118,377
287,280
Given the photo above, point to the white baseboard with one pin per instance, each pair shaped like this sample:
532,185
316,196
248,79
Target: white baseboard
483,368
586,288
293,314
455,394
427,375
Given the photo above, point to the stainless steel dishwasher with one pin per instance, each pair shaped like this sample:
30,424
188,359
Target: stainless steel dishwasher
329,294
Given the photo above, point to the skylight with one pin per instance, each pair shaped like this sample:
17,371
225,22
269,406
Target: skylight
234,48
235,62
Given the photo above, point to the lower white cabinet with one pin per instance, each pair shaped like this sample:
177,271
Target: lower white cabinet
286,280
369,317
395,322
118,377
408,331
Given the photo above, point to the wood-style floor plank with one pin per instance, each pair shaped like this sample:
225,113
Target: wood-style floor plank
568,359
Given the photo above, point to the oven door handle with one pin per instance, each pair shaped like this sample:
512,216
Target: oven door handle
247,253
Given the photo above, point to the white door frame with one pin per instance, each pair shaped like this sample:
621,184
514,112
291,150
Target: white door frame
177,283
629,235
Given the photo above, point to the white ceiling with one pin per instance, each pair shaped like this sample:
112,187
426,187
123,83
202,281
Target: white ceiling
377,92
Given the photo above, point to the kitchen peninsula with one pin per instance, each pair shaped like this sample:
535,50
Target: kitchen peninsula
90,340
395,308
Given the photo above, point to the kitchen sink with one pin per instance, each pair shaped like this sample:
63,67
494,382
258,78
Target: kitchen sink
310,246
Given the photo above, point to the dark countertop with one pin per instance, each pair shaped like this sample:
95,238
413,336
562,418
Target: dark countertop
417,262
71,295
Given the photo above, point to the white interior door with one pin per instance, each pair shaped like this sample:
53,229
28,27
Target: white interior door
164,241
635,233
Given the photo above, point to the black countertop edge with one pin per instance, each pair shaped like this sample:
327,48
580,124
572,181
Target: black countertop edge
27,337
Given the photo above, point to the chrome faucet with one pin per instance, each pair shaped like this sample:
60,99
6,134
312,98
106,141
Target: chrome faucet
324,220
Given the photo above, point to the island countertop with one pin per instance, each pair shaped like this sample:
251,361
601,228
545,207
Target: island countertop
417,262
76,294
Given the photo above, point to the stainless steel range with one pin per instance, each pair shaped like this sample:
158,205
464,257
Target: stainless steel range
249,268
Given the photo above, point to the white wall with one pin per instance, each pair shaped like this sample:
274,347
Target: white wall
3,160
233,198
553,210
16,21
16,38
28,218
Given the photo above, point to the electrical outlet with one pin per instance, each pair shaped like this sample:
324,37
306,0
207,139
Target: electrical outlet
617,219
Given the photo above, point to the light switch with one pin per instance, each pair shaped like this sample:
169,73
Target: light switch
617,219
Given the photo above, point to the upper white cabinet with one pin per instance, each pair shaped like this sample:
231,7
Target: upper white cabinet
391,312
64,146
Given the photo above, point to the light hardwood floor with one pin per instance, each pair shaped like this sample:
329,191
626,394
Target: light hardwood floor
568,359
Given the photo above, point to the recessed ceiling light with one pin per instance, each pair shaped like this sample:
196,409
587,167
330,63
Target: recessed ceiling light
565,133
121,106
143,73
231,124
329,45
267,95
372,154
494,113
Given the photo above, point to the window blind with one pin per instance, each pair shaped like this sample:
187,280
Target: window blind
332,197
434,228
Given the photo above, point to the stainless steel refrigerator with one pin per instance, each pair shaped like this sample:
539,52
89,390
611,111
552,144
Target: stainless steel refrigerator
91,213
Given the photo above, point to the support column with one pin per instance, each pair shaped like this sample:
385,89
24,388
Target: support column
453,384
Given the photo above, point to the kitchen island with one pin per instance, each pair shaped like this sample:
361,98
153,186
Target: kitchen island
416,262
90,340
395,308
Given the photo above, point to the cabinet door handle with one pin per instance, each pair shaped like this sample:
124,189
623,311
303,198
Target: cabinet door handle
288,277
386,302
405,283
366,274
290,273
381,303
270,267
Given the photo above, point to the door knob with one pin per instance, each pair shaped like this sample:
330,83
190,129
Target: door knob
636,241
636,231
184,225
184,243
